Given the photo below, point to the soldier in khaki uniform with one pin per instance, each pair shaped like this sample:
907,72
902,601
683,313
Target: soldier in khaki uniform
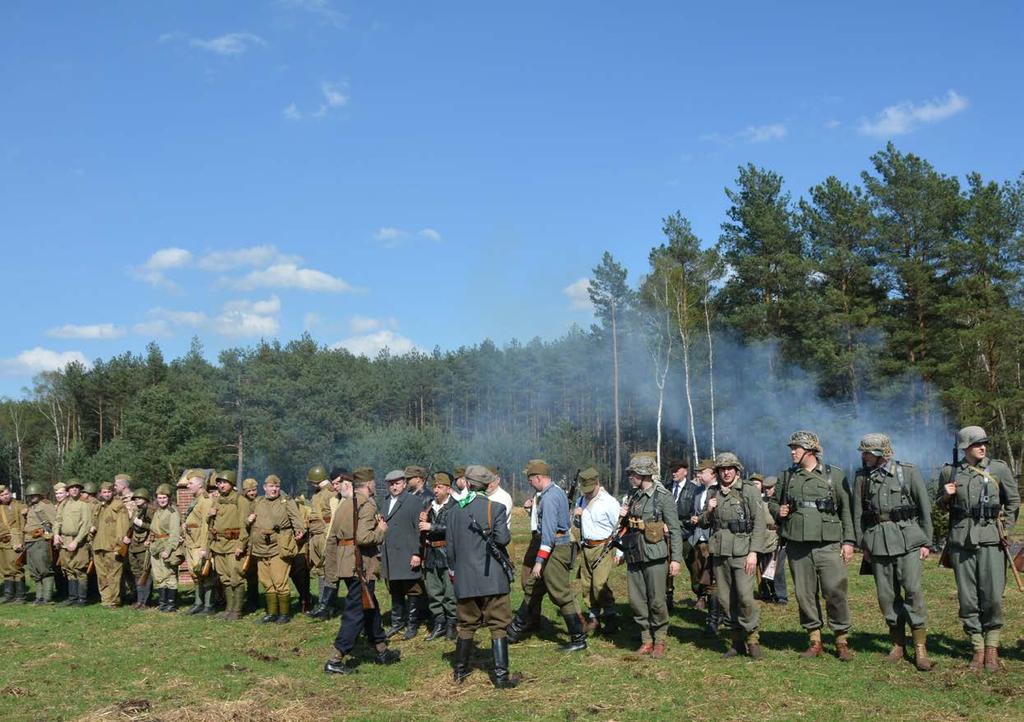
110,532
165,549
735,515
88,495
816,520
300,569
355,536
196,534
40,522
11,545
341,488
275,530
73,526
138,551
123,491
60,495
246,504
651,516
981,495
319,521
228,541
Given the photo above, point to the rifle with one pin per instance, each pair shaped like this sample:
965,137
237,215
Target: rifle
122,548
364,589
208,559
616,541
494,550
945,560
19,561
1004,543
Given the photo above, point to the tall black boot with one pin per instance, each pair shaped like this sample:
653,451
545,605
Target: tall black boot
499,649
577,637
463,648
520,627
20,590
172,600
439,628
72,593
83,593
412,625
325,606
398,610
8,592
452,629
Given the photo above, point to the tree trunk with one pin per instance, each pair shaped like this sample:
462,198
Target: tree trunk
711,373
615,398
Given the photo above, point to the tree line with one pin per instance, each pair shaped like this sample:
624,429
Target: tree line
901,292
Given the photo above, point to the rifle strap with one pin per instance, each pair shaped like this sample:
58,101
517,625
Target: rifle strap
490,518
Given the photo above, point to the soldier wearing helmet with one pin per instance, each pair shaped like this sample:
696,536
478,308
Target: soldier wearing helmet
165,549
229,538
815,517
893,522
734,514
138,551
319,522
981,496
40,519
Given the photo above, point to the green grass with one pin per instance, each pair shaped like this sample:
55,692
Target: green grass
97,664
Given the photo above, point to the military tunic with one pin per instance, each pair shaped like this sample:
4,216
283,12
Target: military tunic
138,551
556,551
272,541
11,539
647,550
435,565
984,492
40,523
820,521
166,538
319,523
111,524
229,538
892,514
73,530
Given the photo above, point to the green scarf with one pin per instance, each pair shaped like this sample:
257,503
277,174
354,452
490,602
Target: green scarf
464,501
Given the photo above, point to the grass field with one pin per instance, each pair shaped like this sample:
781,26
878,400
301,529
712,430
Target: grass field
97,664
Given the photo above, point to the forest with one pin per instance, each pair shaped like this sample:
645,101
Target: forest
893,304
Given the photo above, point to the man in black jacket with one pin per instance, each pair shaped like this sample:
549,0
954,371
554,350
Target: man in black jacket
683,490
434,525
401,562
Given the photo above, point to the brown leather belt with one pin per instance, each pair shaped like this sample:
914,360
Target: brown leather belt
591,543
438,544
161,536
226,534
346,542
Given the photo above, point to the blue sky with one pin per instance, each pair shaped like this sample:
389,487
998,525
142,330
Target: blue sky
420,174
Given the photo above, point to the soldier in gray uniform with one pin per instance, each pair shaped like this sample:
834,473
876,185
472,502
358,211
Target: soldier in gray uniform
816,521
893,518
737,521
982,496
651,516
480,581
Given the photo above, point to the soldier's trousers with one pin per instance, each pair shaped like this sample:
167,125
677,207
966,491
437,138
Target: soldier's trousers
595,582
689,554
274,574
646,583
355,619
819,566
493,612
899,589
75,563
736,593
8,568
229,570
780,575
440,592
980,583
317,554
557,576
109,569
39,559
138,563
533,588
165,576
700,569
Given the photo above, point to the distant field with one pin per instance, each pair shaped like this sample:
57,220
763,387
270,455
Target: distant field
96,664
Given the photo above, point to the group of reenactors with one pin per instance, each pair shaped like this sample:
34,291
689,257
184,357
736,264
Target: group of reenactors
443,550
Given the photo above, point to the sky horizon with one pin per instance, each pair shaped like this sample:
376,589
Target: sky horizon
411,176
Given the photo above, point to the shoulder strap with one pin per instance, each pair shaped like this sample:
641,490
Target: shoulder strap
490,519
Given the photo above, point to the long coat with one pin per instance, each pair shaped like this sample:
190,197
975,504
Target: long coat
477,574
402,539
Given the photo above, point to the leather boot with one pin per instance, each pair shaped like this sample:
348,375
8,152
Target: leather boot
8,595
898,635
48,585
921,660
72,593
814,648
387,656
209,607
519,628
271,614
398,610
610,623
284,603
325,604
658,651
463,648
645,648
451,630
412,624
144,590
172,600
20,591
577,637
439,628
197,606
737,647
590,624
83,593
336,665
499,650
843,650
992,663
231,610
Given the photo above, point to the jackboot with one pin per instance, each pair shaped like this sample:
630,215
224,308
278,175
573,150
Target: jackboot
463,648
325,604
284,603
609,622
451,629
398,609
48,585
72,593
520,627
197,607
271,614
172,600
439,628
921,660
8,595
20,591
577,637
412,624
499,650
83,594
209,606
898,635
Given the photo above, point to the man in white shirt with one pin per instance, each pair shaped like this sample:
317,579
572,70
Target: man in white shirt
459,488
597,515
497,494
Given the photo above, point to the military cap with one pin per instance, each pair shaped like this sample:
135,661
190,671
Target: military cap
164,489
413,470
226,475
211,482
272,480
757,477
141,493
34,489
706,464
106,485
589,479
363,475
89,487
459,471
60,486
250,483
340,472
770,481
534,467
195,474
479,477
394,475
643,463
442,478
970,435
123,477
726,460
317,474
676,464
805,440
876,445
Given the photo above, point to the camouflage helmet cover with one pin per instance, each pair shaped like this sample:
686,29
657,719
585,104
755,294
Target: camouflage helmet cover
970,435
643,463
726,460
876,445
805,440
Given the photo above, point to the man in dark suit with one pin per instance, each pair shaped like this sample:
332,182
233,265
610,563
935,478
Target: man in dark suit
683,491
401,562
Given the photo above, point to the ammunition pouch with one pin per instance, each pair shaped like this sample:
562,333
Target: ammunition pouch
654,533
740,527
632,549
824,506
978,512
899,513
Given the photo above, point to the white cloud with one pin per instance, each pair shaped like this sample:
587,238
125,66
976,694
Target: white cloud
243,323
38,359
389,235
578,293
832,124
430,234
229,43
289,275
333,95
292,112
268,307
168,318
908,116
156,327
763,133
253,256
320,8
371,344
364,324
165,259
94,331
